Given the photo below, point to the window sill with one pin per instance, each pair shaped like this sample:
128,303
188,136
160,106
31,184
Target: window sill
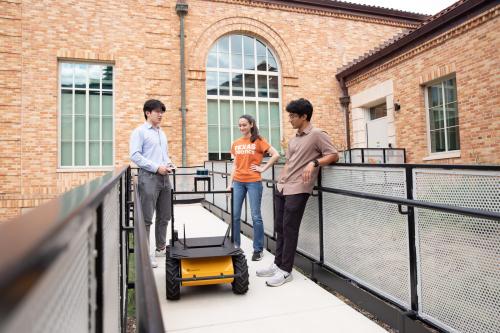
82,170
442,156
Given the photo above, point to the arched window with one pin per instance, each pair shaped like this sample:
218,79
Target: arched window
242,78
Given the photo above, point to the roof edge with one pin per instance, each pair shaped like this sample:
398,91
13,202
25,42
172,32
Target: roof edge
436,25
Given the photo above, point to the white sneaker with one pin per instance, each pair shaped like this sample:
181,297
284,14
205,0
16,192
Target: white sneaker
161,253
154,264
281,277
269,271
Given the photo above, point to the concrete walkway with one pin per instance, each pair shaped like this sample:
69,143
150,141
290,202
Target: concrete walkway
298,306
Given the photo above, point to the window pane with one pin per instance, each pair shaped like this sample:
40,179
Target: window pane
224,84
223,45
248,46
107,128
66,102
273,87
261,49
107,77
450,90
66,75
436,118
225,139
437,141
275,138
237,84
80,102
250,85
66,154
80,128
273,66
67,128
79,153
211,83
94,152
236,61
275,115
251,109
94,128
263,114
107,103
95,76
107,153
378,111
262,83
236,45
94,103
212,60
453,138
223,60
80,76
238,111
451,114
435,95
213,116
261,64
213,138
225,113
249,63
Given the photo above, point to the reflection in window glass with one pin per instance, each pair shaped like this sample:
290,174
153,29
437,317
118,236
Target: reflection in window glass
242,78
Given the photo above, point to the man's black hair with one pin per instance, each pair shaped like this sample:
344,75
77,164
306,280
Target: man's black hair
153,104
301,107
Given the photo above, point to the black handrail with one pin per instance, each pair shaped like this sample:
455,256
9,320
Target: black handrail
148,311
32,250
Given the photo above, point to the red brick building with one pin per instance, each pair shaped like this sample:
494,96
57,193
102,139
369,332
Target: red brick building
74,76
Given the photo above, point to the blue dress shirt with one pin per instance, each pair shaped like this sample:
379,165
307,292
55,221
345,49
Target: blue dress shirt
149,148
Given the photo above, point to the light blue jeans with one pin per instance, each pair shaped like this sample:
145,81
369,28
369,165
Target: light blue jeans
254,190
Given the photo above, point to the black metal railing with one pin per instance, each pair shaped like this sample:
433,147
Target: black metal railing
373,155
65,265
458,194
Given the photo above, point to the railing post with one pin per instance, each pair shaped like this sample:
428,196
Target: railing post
320,215
412,241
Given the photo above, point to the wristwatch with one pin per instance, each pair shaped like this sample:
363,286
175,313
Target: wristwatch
316,163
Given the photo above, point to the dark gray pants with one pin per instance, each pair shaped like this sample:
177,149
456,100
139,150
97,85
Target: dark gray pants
154,190
289,210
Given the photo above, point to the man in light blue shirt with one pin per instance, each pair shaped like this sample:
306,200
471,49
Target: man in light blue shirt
149,150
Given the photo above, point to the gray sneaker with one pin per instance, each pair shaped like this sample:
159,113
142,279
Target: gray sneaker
279,278
269,271
154,264
160,253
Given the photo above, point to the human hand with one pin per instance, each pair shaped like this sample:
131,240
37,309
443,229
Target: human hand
229,190
306,175
163,170
257,168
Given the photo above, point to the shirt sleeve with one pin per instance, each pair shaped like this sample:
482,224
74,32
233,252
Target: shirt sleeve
264,145
169,161
324,144
136,142
232,149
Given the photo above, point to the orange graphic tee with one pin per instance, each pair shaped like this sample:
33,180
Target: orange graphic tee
245,154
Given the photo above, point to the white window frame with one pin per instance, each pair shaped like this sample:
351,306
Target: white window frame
447,153
244,98
86,167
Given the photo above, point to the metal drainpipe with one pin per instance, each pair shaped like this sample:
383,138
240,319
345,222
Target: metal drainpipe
181,8
344,101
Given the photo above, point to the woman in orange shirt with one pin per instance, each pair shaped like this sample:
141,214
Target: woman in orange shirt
248,152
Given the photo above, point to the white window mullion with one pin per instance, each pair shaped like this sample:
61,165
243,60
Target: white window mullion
218,129
444,119
87,109
73,123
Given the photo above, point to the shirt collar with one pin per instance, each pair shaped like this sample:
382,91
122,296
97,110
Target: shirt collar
150,126
306,131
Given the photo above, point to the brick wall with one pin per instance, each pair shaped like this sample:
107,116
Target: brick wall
470,51
140,38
